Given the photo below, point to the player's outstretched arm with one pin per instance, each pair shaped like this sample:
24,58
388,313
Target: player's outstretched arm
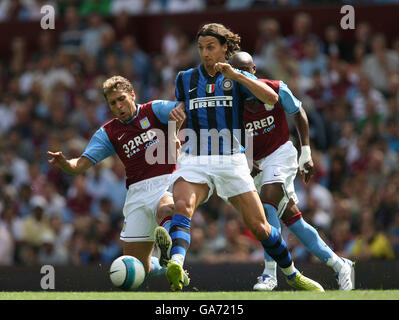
73,166
259,89
305,159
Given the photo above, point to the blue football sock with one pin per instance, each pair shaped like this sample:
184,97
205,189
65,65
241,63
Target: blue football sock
155,268
270,264
276,247
180,235
311,239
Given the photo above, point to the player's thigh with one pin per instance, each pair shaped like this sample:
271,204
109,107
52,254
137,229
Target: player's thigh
187,196
142,250
272,193
251,209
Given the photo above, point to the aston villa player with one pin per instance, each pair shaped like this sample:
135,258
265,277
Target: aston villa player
276,156
135,127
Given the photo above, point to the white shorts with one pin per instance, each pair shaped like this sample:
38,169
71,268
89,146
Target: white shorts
228,174
140,208
281,166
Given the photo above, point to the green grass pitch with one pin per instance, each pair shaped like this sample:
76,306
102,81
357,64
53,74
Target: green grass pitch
242,295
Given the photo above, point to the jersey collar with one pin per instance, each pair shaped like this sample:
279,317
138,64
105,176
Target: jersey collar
206,74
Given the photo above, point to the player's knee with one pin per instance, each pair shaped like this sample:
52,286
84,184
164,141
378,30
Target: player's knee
183,207
165,211
261,231
290,211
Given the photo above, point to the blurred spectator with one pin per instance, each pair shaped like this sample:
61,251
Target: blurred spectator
71,35
79,200
362,36
312,59
49,252
302,34
197,250
366,94
92,35
381,63
17,167
56,203
34,225
342,238
334,46
109,53
268,42
371,244
99,178
117,190
355,65
139,63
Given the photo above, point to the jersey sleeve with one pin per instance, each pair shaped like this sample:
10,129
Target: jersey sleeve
99,147
162,108
243,89
179,88
289,102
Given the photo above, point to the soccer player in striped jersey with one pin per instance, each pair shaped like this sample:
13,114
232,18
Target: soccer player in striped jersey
135,128
213,156
276,157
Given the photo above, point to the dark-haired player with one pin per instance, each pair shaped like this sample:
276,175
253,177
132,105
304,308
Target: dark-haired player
276,156
214,156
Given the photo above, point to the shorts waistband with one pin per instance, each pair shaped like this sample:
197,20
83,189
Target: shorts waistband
152,183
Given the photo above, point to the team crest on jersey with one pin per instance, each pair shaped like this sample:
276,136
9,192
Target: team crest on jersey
145,123
227,84
269,107
210,88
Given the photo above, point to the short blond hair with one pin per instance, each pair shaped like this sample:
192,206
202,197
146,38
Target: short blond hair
117,83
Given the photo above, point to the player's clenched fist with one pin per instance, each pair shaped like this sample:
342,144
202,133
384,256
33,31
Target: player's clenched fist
178,114
225,69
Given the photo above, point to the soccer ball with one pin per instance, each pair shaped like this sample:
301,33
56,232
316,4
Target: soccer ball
127,273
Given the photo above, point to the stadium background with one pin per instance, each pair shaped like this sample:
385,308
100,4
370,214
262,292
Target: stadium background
50,99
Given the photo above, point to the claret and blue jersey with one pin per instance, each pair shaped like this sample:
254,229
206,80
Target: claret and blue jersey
214,104
129,140
268,124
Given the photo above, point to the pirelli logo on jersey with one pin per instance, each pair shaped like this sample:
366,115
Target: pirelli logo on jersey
209,102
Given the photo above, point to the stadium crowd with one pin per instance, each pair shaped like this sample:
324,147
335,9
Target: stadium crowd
51,99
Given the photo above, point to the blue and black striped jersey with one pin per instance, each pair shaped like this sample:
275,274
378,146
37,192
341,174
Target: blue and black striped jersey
214,108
